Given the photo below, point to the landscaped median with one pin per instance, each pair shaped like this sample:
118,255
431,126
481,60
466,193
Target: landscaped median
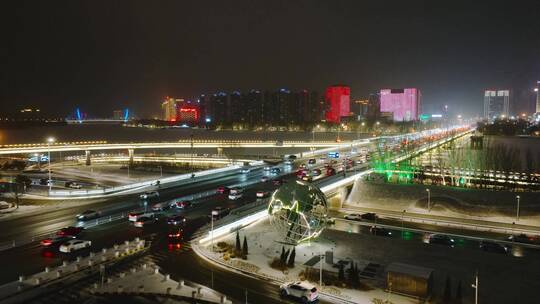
258,256
29,287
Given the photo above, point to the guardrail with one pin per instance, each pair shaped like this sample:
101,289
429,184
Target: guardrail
424,231
52,233
140,185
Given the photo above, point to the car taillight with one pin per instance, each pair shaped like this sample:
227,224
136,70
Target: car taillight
46,242
139,223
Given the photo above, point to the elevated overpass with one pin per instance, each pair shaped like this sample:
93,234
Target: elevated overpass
101,146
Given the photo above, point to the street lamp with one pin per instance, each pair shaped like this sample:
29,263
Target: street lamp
475,286
50,140
402,223
214,213
517,211
428,200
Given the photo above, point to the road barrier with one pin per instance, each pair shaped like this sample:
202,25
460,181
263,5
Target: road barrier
141,185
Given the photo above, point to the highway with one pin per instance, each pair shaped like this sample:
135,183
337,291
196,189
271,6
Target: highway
173,258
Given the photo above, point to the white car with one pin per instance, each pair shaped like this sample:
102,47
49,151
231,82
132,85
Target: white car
266,168
262,193
74,245
245,170
236,190
353,217
304,291
235,196
161,206
134,216
149,195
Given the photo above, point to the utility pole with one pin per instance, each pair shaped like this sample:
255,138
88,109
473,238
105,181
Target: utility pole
428,200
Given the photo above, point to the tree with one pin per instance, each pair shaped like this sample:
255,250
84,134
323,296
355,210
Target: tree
245,248
283,257
341,274
292,256
459,297
238,248
447,297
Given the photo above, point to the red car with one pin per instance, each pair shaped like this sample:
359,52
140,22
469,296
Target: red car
56,241
73,231
183,204
222,190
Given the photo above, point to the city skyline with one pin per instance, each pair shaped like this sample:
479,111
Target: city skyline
96,55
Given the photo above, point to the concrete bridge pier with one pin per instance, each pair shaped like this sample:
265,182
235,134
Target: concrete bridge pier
88,160
130,154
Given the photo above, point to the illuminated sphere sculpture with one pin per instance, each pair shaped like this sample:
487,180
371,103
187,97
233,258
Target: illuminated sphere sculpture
298,212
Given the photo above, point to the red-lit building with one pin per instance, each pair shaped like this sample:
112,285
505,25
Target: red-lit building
188,114
338,99
404,104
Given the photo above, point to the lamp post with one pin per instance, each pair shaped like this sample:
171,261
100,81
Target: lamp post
475,286
49,141
428,200
403,223
214,213
517,211
321,269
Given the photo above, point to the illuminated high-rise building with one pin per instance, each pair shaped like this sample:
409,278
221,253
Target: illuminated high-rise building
537,90
170,108
338,98
496,103
404,104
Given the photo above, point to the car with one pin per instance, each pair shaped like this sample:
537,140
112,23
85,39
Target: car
222,190
235,196
262,193
369,216
74,245
292,157
245,170
144,220
70,231
236,190
441,239
278,182
175,235
134,216
275,170
44,181
176,220
266,168
73,185
300,173
380,231
219,212
149,195
353,217
312,161
303,166
303,291
264,179
316,172
522,238
56,241
288,163
88,215
161,206
307,178
183,204
330,171
493,247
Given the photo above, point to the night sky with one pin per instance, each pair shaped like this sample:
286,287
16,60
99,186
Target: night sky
103,55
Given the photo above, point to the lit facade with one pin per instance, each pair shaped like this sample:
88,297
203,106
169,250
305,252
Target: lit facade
338,99
404,104
188,114
169,108
496,103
